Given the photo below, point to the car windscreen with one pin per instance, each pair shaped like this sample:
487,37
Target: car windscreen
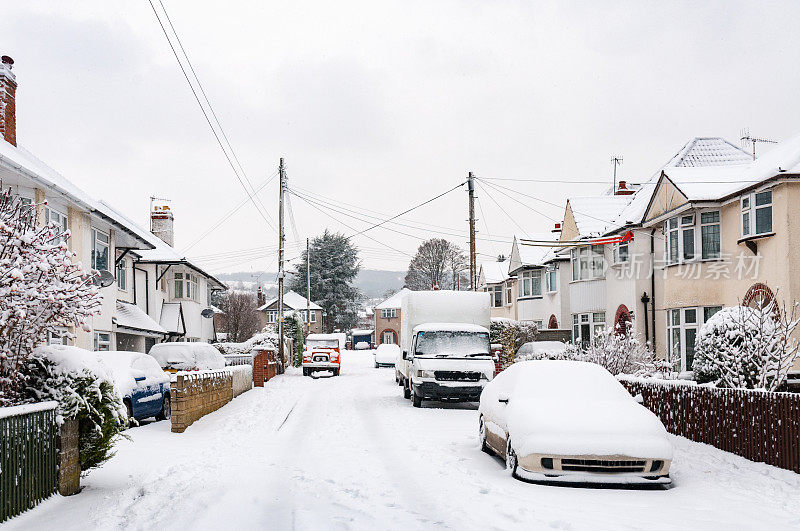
441,343
323,343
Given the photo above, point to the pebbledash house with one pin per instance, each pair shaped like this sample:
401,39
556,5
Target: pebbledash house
157,295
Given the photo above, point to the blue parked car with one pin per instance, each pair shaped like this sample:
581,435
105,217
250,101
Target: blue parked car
142,384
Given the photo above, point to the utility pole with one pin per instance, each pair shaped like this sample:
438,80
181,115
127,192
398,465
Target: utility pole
472,265
308,287
616,161
281,272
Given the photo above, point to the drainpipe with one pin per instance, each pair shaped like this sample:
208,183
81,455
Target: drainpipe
653,283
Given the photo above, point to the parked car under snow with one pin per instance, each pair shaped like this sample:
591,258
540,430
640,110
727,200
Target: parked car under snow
140,382
571,421
386,354
186,356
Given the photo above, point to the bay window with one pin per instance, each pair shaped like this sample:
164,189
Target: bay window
688,232
757,213
620,251
59,219
682,327
508,294
588,262
530,284
185,286
497,296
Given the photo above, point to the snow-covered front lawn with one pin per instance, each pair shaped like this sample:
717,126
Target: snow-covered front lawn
349,452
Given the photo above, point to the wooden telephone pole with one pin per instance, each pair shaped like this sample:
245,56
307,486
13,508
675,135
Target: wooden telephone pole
473,273
281,271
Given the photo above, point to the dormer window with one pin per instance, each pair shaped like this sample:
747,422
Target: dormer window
757,214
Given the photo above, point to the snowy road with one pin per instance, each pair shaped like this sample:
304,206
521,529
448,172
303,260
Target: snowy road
351,453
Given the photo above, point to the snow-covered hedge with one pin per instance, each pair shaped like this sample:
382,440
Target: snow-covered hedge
82,385
747,348
262,339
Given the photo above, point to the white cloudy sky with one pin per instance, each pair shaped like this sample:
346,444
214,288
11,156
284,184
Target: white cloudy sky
383,104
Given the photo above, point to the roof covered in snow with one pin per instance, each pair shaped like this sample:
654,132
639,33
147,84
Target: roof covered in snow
394,301
172,318
18,159
494,272
132,317
293,301
708,151
161,252
595,214
714,183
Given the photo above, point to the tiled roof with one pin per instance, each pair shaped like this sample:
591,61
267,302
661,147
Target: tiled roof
709,151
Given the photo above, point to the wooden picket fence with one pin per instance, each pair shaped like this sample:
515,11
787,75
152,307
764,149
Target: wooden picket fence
28,457
757,425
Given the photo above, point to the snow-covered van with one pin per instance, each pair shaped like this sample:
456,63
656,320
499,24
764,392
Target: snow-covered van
445,345
322,352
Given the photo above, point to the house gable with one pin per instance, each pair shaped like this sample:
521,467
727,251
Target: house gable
666,198
569,228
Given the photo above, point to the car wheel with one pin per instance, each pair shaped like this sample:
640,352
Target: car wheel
396,378
406,389
336,372
482,436
129,414
416,400
166,409
305,371
511,459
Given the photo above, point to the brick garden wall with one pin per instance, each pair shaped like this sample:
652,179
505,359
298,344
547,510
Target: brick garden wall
195,394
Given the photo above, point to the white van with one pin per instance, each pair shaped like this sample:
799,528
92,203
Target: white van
445,352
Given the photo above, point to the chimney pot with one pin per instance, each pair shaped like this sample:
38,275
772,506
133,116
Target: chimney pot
7,61
557,227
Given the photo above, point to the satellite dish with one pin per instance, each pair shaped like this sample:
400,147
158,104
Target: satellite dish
103,278
208,313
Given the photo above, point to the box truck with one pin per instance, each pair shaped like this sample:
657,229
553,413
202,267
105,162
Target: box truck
445,345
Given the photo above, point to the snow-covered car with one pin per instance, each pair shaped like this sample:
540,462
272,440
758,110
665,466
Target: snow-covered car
571,421
362,345
174,357
386,355
140,382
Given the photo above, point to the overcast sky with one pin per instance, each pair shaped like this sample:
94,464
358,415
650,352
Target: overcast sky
383,104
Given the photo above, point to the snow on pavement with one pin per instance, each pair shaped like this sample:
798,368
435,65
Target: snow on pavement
351,453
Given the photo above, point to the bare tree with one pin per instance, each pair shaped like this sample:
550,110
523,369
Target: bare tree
429,267
241,319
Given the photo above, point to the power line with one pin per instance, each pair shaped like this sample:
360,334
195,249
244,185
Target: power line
224,218
494,186
203,110
501,208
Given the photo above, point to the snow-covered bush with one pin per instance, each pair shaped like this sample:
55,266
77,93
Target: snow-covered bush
42,289
619,353
747,348
266,338
512,335
82,385
547,350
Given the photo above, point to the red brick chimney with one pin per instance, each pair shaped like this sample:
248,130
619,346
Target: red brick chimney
260,297
556,229
623,189
8,96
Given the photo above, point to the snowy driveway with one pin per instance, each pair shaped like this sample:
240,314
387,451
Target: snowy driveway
351,453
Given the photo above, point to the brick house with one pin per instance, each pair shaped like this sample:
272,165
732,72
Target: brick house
292,301
387,319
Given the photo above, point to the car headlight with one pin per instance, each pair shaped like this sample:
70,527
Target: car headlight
425,374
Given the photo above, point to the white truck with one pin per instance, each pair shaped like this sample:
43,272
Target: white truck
444,345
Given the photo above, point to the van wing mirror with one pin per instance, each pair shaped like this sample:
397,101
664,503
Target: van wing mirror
405,354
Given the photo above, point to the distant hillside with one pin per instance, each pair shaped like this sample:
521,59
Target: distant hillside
371,282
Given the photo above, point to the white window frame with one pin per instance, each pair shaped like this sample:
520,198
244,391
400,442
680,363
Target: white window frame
750,209
122,274
590,261
679,328
618,257
509,294
272,316
684,234
497,296
59,218
58,339
388,313
596,321
102,341
188,285
388,334
551,278
530,284
97,244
